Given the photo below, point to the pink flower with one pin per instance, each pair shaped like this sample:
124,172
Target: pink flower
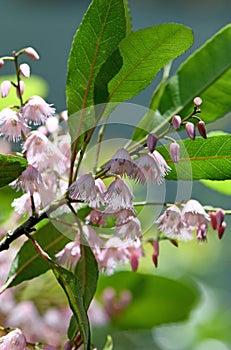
190,129
22,205
12,125
36,110
151,168
5,88
42,154
84,189
29,181
193,214
14,340
121,163
135,252
69,255
152,142
118,196
176,122
131,230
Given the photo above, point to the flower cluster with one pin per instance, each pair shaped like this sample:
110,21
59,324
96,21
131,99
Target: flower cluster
182,221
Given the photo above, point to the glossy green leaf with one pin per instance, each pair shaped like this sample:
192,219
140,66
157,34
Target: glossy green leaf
7,195
87,273
102,28
10,168
201,159
223,187
155,300
144,53
74,291
28,263
206,73
34,86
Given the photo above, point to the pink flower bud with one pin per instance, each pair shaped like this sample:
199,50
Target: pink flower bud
202,129
220,215
190,129
176,122
197,101
155,254
221,230
21,87
151,142
1,62
32,53
5,88
134,261
213,220
25,70
174,150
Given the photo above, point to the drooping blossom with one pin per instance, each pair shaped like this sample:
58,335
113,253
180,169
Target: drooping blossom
42,153
151,167
120,164
30,180
131,230
22,205
85,189
69,255
12,125
118,196
171,224
36,110
14,340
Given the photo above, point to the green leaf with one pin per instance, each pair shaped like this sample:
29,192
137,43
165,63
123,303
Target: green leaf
28,263
144,53
109,343
155,300
206,73
34,86
201,159
11,168
74,291
87,273
102,28
7,195
223,187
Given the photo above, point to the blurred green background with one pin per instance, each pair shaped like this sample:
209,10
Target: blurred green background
49,27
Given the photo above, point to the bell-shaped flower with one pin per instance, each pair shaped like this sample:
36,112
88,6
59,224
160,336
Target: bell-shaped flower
29,181
36,110
118,196
12,125
120,164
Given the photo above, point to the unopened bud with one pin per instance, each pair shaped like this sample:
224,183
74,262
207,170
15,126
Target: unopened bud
190,129
221,230
197,101
213,220
134,261
202,129
21,88
5,88
32,53
25,70
1,62
174,150
151,142
220,215
155,254
176,122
